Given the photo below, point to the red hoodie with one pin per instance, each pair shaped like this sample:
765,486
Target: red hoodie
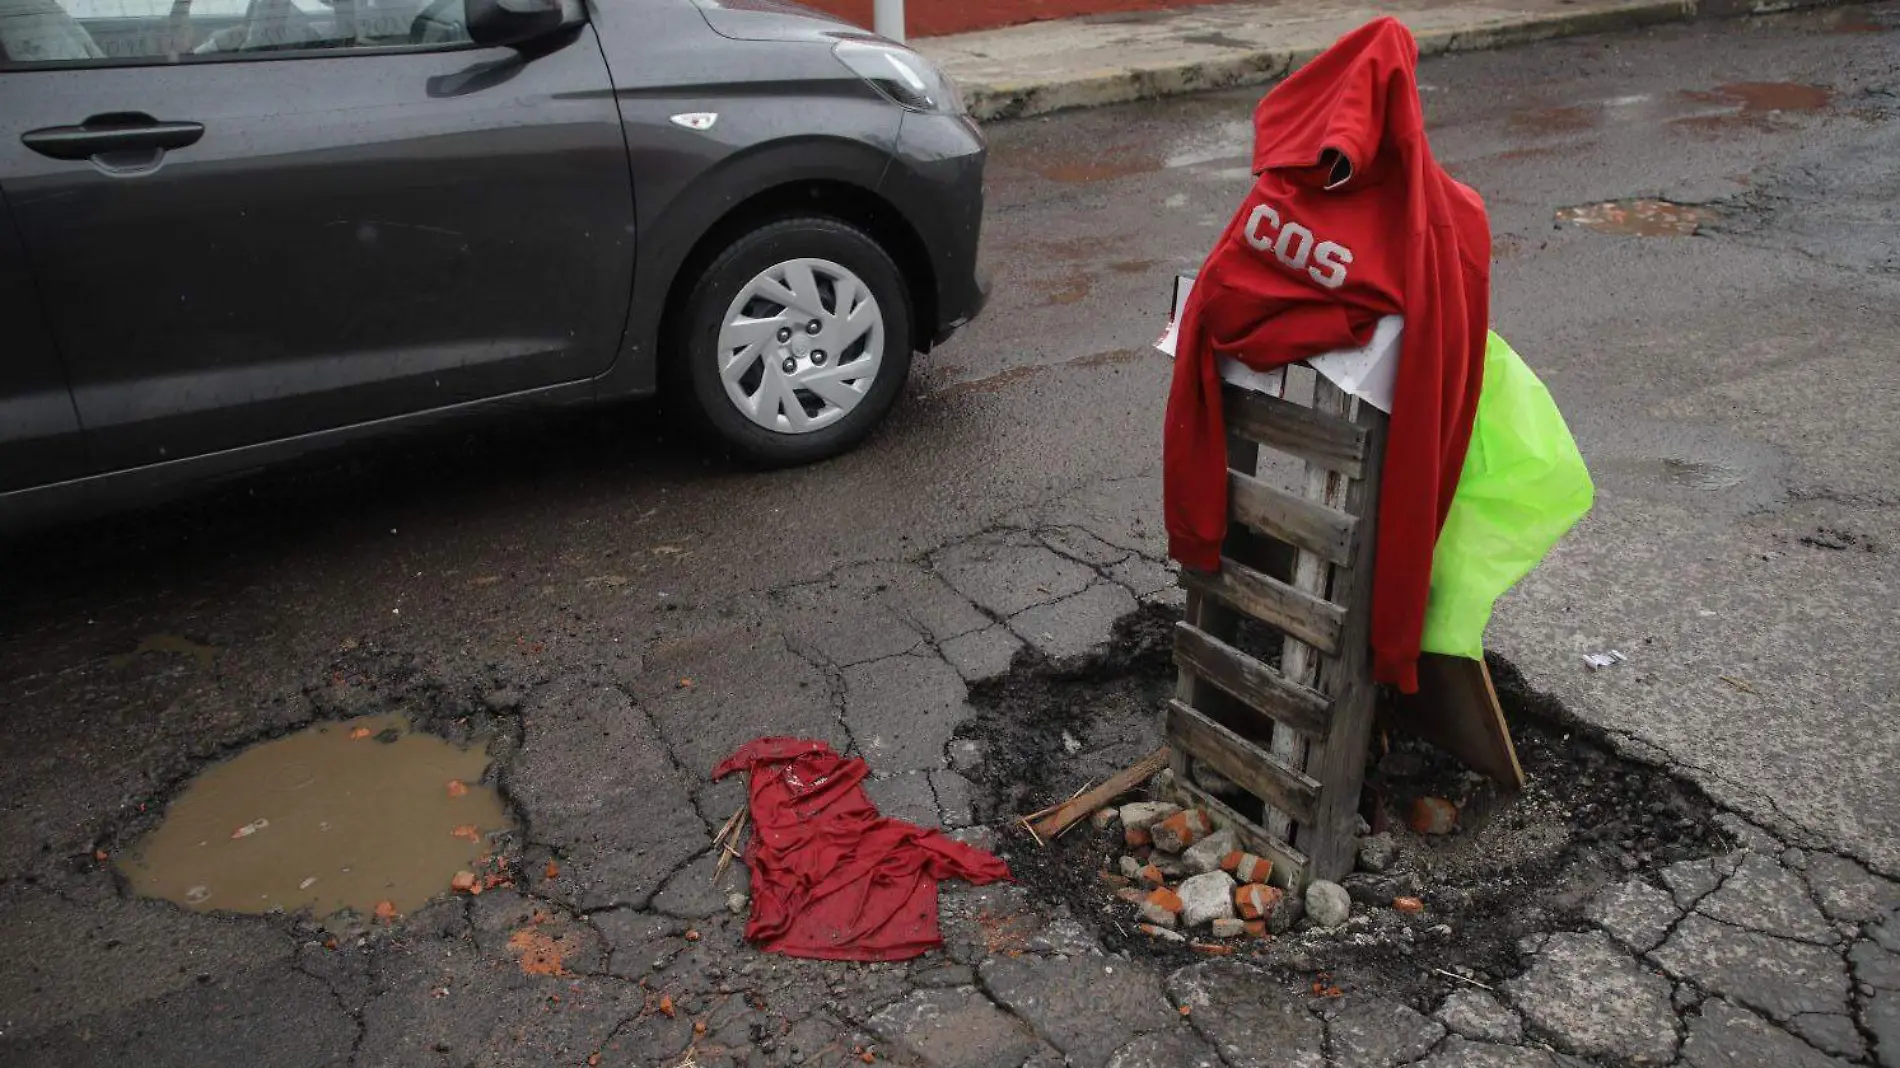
1351,219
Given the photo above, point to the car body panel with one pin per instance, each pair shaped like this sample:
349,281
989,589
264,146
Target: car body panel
39,430
421,230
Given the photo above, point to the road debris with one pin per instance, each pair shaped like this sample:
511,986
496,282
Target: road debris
1598,661
250,828
1433,815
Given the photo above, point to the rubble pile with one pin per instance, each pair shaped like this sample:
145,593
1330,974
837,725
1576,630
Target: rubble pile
1187,881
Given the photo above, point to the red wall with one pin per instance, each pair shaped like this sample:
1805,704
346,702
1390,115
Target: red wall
931,17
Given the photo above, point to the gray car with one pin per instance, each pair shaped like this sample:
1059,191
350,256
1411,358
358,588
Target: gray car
232,231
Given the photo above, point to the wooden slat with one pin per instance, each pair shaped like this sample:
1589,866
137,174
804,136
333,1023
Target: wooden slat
1340,764
1456,709
1330,442
1255,683
1291,868
1301,523
1079,807
1313,620
1249,766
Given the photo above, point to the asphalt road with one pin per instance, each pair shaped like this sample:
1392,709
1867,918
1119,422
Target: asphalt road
1734,392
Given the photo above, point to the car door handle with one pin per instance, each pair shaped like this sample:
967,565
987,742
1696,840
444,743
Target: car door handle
111,133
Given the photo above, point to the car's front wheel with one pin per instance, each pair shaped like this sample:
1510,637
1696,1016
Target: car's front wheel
798,339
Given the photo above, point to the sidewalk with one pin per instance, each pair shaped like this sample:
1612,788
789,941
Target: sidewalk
1109,59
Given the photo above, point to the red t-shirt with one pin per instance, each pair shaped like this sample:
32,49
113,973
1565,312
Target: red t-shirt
1350,220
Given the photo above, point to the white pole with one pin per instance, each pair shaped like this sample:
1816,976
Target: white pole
888,18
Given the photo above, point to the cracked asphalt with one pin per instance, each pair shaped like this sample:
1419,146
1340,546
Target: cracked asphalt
612,613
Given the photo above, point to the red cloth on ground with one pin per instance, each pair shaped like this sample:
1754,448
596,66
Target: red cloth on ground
831,878
1351,220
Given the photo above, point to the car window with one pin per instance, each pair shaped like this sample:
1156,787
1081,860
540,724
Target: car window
64,33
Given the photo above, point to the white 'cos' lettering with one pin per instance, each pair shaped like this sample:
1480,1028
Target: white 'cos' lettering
1293,245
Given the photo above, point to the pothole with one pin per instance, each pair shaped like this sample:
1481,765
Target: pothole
359,816
1638,217
1516,865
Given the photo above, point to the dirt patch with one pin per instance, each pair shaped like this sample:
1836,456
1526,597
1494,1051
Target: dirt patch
1517,864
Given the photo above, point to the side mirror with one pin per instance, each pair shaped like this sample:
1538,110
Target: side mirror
515,22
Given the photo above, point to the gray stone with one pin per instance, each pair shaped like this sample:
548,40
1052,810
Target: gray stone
1764,896
1875,966
956,798
903,711
1780,977
1477,1015
1848,892
1177,1047
1725,1036
1162,934
1087,1009
1229,927
1376,1033
1206,897
1142,815
955,1029
1830,1033
1327,904
1205,855
1076,626
1597,1000
1881,1017
1287,914
1635,913
1251,1021
1690,880
1130,867
737,904
1159,915
1459,1053
1377,853
1008,573
1168,864
982,654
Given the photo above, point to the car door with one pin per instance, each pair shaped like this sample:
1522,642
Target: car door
255,220
39,431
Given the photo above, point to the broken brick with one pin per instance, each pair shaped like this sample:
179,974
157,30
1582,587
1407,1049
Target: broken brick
457,788
1229,927
1212,949
1433,815
1136,837
1161,907
1181,830
1152,876
1104,818
1131,895
1256,901
1410,905
464,882
1161,933
1249,868
1255,928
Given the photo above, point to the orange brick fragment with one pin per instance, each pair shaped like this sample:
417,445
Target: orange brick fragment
457,788
468,831
553,871
1256,928
1232,860
1152,876
1136,837
386,911
1212,949
1433,815
1182,830
359,733
464,882
1164,898
666,1005
1251,869
1256,901
1408,904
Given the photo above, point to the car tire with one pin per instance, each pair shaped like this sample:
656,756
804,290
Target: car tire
746,398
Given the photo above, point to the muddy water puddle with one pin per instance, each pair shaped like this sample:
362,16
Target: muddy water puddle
341,816
1638,218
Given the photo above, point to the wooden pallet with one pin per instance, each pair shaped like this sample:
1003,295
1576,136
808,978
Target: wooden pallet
1292,739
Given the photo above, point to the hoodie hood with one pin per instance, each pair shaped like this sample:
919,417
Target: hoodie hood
1336,121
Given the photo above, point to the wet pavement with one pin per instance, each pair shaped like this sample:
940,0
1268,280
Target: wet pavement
599,615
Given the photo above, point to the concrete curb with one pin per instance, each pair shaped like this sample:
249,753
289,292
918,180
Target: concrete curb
993,99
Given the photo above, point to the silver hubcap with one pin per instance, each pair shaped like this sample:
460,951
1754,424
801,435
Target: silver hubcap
801,345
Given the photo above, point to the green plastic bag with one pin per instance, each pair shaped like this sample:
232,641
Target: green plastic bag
1523,486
